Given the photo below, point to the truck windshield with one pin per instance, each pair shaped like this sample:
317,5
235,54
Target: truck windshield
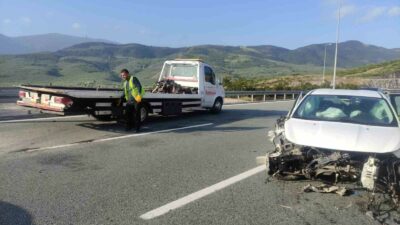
348,109
179,70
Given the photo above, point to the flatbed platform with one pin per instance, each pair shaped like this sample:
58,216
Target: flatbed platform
102,93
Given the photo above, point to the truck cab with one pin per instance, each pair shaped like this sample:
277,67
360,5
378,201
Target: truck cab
195,74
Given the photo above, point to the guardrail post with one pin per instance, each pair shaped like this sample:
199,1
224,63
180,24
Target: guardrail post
284,96
238,97
293,96
252,98
264,98
274,97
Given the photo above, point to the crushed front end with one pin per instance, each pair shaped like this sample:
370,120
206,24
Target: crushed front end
375,172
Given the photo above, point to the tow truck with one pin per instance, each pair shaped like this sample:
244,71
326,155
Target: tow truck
183,85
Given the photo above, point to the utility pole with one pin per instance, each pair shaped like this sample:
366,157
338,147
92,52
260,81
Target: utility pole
336,49
323,71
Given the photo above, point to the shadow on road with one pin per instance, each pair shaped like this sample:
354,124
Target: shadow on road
193,118
15,215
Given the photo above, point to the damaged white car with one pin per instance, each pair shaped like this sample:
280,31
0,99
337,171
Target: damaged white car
341,135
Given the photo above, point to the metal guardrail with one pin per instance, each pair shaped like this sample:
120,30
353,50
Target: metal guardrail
263,95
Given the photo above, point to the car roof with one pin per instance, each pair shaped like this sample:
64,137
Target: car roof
361,93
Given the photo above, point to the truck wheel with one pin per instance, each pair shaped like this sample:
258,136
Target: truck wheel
217,107
144,113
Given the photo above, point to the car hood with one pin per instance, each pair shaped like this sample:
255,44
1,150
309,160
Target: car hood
343,136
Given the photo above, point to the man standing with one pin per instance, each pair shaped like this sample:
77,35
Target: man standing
133,93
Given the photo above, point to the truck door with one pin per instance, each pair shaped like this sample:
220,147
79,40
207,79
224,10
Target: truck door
210,88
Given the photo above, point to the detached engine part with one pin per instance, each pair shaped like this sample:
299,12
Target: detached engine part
369,173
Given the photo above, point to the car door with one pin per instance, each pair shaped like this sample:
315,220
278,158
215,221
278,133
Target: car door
210,88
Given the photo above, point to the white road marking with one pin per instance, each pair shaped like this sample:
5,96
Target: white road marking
118,137
255,103
201,193
42,119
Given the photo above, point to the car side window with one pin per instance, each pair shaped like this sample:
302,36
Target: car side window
395,99
209,75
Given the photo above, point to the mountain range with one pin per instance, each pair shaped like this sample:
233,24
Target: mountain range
351,53
40,43
100,62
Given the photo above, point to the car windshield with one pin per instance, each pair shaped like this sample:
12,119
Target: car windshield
349,109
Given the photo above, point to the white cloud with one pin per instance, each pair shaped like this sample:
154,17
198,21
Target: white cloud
26,20
6,21
373,13
347,10
76,26
394,11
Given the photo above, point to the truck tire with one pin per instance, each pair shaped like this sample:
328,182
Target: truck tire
144,113
217,107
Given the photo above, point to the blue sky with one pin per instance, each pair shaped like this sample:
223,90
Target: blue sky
285,23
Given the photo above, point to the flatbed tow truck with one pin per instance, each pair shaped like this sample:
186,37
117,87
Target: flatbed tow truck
183,85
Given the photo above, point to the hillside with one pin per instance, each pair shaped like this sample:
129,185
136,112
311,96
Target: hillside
382,75
350,54
385,69
40,43
100,63
11,46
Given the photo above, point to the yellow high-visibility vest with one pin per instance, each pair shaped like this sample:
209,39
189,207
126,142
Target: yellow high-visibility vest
134,90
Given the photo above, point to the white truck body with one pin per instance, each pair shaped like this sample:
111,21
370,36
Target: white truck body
188,73
209,86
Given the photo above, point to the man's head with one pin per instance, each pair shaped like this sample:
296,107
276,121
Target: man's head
125,74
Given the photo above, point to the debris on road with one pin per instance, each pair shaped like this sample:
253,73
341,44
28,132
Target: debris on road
285,206
325,188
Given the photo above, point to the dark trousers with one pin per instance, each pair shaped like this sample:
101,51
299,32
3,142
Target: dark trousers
132,115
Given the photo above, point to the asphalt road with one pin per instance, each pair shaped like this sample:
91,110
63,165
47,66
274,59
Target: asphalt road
75,170
10,111
8,95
